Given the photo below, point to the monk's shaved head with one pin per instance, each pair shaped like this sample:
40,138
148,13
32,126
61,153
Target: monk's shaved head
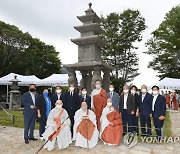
83,104
109,100
59,102
98,82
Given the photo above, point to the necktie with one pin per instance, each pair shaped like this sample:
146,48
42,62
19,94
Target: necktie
84,98
111,95
33,98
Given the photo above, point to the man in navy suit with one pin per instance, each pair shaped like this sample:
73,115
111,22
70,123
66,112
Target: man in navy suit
114,97
57,95
158,110
145,108
85,98
71,103
29,101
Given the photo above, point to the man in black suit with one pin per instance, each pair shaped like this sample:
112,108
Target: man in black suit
145,111
29,101
71,103
57,95
127,109
85,98
158,110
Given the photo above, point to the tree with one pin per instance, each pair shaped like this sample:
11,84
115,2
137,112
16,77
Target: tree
121,31
22,54
165,46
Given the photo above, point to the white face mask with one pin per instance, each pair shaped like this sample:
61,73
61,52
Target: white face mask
155,92
125,90
109,104
71,88
58,91
98,86
84,108
111,89
133,91
84,92
143,90
59,106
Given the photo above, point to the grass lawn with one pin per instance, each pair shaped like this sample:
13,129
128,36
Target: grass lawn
19,121
5,120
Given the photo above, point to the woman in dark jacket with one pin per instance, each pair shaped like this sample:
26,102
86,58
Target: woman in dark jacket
136,115
44,107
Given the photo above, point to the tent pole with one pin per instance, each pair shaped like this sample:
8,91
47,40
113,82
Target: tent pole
7,93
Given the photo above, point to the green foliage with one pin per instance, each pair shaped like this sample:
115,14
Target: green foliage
20,53
121,31
18,119
118,83
165,46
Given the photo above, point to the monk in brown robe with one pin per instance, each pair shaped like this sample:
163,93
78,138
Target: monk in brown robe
111,125
98,101
168,99
175,102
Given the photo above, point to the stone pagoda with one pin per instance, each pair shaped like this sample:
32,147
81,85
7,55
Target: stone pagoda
89,53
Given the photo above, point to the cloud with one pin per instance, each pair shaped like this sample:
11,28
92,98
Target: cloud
53,20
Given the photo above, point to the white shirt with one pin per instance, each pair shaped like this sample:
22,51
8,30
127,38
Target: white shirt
143,96
111,95
84,97
71,93
58,95
125,101
154,101
33,97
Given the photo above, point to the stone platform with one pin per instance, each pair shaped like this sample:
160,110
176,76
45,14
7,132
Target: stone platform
11,142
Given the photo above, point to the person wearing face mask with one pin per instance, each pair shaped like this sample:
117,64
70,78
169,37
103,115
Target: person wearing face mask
98,101
114,96
145,107
29,101
44,107
127,109
85,98
135,116
85,129
158,110
57,116
111,125
57,95
71,103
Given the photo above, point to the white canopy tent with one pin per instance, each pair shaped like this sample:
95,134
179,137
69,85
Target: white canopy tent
58,79
168,83
25,80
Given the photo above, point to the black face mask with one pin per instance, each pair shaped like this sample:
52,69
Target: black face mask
32,90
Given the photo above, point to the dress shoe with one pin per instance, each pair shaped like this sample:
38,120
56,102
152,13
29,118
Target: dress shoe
33,139
26,141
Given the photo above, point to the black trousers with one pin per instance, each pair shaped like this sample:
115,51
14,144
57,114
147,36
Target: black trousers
41,128
145,121
158,124
72,124
127,122
135,123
